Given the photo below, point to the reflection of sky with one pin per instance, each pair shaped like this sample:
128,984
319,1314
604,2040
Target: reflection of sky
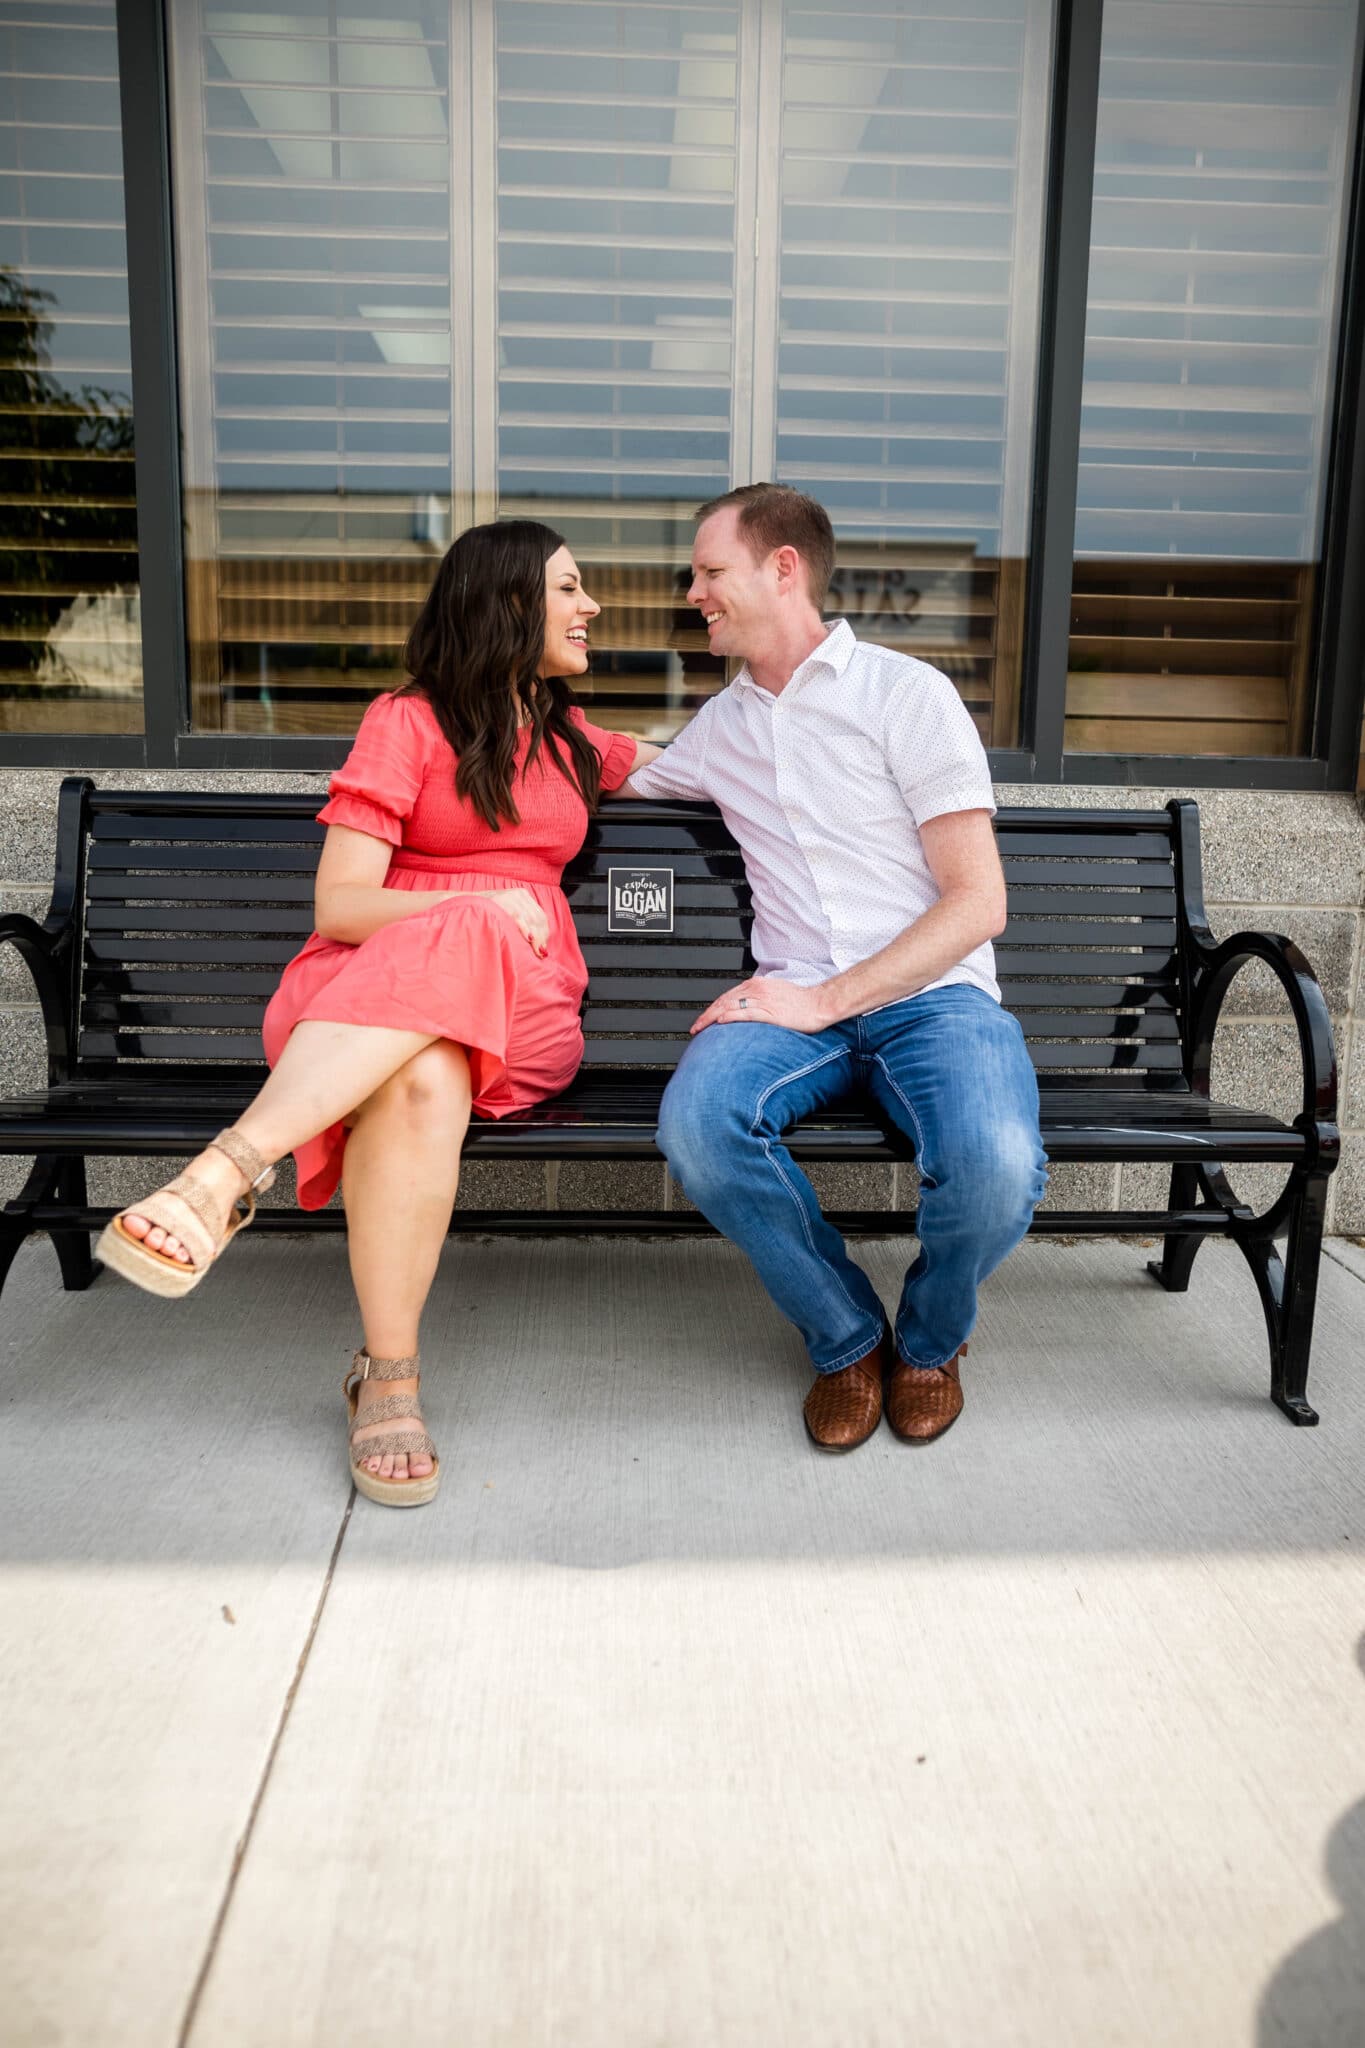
61,187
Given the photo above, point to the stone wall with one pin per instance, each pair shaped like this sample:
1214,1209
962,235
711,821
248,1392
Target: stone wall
1291,863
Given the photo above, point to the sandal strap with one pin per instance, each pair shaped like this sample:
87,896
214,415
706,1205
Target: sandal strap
398,1443
367,1368
392,1406
196,1196
257,1172
183,1209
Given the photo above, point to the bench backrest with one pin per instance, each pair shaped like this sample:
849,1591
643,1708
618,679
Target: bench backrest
193,903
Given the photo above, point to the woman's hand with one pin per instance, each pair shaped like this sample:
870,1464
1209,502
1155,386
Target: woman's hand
526,914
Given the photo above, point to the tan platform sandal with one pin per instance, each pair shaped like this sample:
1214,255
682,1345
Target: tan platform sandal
185,1209
390,1493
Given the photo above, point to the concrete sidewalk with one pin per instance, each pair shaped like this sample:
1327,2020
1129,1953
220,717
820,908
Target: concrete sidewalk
659,1727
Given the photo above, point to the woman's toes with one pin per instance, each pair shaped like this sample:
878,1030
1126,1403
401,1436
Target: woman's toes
419,1467
400,1466
136,1226
386,1466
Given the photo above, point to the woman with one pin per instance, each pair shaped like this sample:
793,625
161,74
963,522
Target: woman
444,978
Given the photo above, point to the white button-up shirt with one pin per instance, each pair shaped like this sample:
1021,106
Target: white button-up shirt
825,787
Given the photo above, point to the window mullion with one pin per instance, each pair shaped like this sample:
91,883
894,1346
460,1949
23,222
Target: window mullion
156,446
1066,270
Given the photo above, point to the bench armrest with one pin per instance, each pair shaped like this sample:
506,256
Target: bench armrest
1216,965
43,947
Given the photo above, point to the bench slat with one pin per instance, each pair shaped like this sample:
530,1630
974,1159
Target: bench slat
257,952
120,857
161,830
160,888
211,981
1114,874
205,918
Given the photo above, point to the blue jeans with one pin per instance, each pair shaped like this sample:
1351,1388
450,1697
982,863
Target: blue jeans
950,1069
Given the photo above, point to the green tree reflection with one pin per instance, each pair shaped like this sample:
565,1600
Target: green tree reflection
68,518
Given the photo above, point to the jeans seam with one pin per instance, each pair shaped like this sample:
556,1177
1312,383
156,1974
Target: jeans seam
782,1081
906,1105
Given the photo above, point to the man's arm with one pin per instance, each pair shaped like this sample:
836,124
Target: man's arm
675,770
961,852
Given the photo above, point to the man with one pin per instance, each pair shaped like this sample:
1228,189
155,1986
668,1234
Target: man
855,784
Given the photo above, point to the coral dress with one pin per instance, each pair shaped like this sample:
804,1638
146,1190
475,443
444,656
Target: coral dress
463,970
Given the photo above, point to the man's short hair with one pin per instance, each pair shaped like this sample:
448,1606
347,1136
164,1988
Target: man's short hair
775,516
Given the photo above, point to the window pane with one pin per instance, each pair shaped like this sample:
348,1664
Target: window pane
1224,140
616,149
70,636
913,149
313,160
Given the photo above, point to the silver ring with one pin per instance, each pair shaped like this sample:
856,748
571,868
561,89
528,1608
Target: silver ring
743,1002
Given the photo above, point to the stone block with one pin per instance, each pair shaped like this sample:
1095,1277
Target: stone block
610,1184
850,1186
1256,1065
1348,1189
1144,1184
28,805
1351,1055
501,1184
1329,938
1074,1184
1259,846
23,1048
16,983
906,1185
1266,846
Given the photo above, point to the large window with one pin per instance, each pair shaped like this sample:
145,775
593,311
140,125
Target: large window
912,200
693,243
1221,180
1084,413
313,159
70,643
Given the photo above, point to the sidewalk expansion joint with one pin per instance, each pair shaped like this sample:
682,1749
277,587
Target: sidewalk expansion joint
239,1854
1344,1264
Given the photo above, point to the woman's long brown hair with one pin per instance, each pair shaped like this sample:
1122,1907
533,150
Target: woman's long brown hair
475,652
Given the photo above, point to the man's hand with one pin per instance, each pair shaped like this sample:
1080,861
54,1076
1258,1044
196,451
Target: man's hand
765,1001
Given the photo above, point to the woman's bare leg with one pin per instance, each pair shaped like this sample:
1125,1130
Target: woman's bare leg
324,1072
402,1170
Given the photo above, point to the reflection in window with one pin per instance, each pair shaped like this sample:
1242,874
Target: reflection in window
616,150
313,165
1221,163
70,645
913,147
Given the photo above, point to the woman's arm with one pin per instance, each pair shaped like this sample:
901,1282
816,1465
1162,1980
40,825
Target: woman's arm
645,752
350,900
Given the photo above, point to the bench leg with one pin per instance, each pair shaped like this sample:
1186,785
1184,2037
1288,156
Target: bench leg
74,1256
52,1178
1178,1252
1289,1289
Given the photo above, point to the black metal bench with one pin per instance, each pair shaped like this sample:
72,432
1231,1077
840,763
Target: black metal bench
173,914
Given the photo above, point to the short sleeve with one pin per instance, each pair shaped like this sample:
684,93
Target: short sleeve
615,750
680,770
934,749
377,785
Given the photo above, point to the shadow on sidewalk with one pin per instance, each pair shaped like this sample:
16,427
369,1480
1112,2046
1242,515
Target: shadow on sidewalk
1316,1999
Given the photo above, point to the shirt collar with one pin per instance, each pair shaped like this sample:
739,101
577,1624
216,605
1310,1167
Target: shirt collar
834,653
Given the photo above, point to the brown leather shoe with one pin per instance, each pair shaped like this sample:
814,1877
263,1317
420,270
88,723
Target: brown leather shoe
921,1402
843,1408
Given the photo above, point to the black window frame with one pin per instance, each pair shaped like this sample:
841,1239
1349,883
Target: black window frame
167,742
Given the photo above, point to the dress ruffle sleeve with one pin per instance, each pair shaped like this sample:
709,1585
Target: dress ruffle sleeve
616,749
377,785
